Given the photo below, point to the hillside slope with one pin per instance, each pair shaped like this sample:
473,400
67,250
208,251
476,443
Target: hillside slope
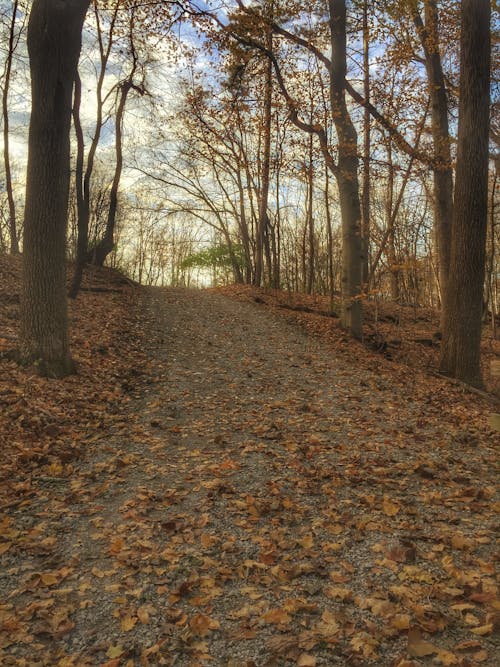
219,486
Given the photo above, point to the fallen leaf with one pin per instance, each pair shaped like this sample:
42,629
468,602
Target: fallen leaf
401,621
143,614
390,507
276,616
483,629
5,546
128,622
201,624
418,647
115,651
49,578
307,542
306,660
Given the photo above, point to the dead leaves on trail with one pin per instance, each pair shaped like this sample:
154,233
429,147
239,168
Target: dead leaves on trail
254,501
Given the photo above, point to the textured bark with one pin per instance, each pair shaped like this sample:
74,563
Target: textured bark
347,176
460,355
54,42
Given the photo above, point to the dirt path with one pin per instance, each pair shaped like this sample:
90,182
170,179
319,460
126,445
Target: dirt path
266,503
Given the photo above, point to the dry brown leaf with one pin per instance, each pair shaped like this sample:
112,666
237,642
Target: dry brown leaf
390,507
418,647
201,624
128,623
483,629
276,616
401,621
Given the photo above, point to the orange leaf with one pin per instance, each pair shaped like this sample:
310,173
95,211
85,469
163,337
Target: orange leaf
417,647
128,623
202,625
483,629
115,651
306,660
117,545
307,542
390,507
49,578
143,614
401,621
276,617
5,546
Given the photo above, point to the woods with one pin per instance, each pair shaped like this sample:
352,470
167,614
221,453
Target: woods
249,348
261,154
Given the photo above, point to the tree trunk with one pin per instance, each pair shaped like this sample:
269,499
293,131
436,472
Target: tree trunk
82,203
14,241
54,42
460,354
106,244
263,222
365,200
82,180
310,220
329,232
391,216
347,176
442,169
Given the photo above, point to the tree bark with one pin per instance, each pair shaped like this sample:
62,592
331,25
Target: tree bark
347,176
460,354
54,42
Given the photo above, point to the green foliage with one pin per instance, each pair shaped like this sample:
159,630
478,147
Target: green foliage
215,257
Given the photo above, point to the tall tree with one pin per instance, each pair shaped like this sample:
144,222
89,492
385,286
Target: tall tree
347,174
106,244
83,175
13,40
460,355
263,221
54,43
441,166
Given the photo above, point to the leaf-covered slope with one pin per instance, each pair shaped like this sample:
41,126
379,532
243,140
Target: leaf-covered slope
228,489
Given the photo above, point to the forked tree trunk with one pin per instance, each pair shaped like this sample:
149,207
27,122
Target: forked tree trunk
54,42
460,354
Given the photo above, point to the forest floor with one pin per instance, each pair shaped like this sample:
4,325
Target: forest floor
229,481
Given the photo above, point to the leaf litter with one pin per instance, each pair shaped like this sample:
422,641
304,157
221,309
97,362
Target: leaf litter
230,483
